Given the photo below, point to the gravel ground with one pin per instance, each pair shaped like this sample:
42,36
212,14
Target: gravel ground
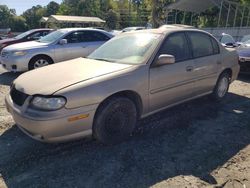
197,144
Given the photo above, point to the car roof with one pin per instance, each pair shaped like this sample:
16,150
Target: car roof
167,30
42,29
80,28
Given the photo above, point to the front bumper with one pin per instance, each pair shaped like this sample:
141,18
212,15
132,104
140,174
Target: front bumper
15,64
244,59
56,129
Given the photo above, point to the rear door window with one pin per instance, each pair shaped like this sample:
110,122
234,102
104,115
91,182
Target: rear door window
201,44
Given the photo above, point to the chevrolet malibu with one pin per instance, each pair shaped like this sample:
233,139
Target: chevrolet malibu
133,75
60,45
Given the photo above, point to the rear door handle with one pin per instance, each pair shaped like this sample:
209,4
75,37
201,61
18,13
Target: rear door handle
219,63
189,69
84,46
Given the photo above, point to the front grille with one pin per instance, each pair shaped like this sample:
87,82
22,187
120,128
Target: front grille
18,97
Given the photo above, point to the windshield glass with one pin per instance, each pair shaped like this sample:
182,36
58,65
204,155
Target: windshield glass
227,39
127,49
52,37
23,34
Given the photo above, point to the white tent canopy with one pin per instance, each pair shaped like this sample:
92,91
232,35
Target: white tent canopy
196,6
233,10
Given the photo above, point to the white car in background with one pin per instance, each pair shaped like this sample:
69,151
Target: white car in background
60,45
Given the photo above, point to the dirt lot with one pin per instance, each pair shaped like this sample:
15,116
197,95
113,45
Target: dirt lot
197,144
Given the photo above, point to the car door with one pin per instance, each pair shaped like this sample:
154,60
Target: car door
173,83
73,49
207,57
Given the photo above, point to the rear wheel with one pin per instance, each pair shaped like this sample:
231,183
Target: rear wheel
222,86
115,120
39,61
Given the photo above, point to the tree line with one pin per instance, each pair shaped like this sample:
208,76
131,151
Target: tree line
117,13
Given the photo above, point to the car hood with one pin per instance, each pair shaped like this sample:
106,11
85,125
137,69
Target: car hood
244,52
3,41
49,79
25,46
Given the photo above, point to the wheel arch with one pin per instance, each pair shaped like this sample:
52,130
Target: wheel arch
42,55
229,71
132,95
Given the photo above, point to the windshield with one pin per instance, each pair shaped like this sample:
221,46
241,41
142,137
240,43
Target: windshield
245,39
52,37
127,49
23,34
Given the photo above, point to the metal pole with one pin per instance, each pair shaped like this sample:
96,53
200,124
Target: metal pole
242,18
228,13
191,21
167,18
176,14
221,5
235,16
184,17
248,17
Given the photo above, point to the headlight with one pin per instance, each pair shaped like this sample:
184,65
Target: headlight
19,53
48,103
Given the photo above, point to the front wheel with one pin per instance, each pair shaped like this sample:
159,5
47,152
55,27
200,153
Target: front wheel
115,120
39,61
222,86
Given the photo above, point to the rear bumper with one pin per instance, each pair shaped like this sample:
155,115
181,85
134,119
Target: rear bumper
58,129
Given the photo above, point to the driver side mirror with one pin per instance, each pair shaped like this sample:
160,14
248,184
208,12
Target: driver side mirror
165,59
63,41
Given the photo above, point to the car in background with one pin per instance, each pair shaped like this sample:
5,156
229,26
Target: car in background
227,41
244,56
30,35
60,45
244,39
134,75
169,26
127,29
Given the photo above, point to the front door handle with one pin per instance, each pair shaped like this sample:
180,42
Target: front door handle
219,63
189,69
84,46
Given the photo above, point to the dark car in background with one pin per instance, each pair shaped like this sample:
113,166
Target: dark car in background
244,56
30,35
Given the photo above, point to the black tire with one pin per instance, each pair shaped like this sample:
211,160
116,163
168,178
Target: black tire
37,58
115,120
217,94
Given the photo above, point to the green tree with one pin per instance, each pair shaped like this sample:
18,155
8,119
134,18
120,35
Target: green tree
112,18
33,16
52,8
6,16
18,24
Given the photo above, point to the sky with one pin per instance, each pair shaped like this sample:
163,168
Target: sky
22,5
